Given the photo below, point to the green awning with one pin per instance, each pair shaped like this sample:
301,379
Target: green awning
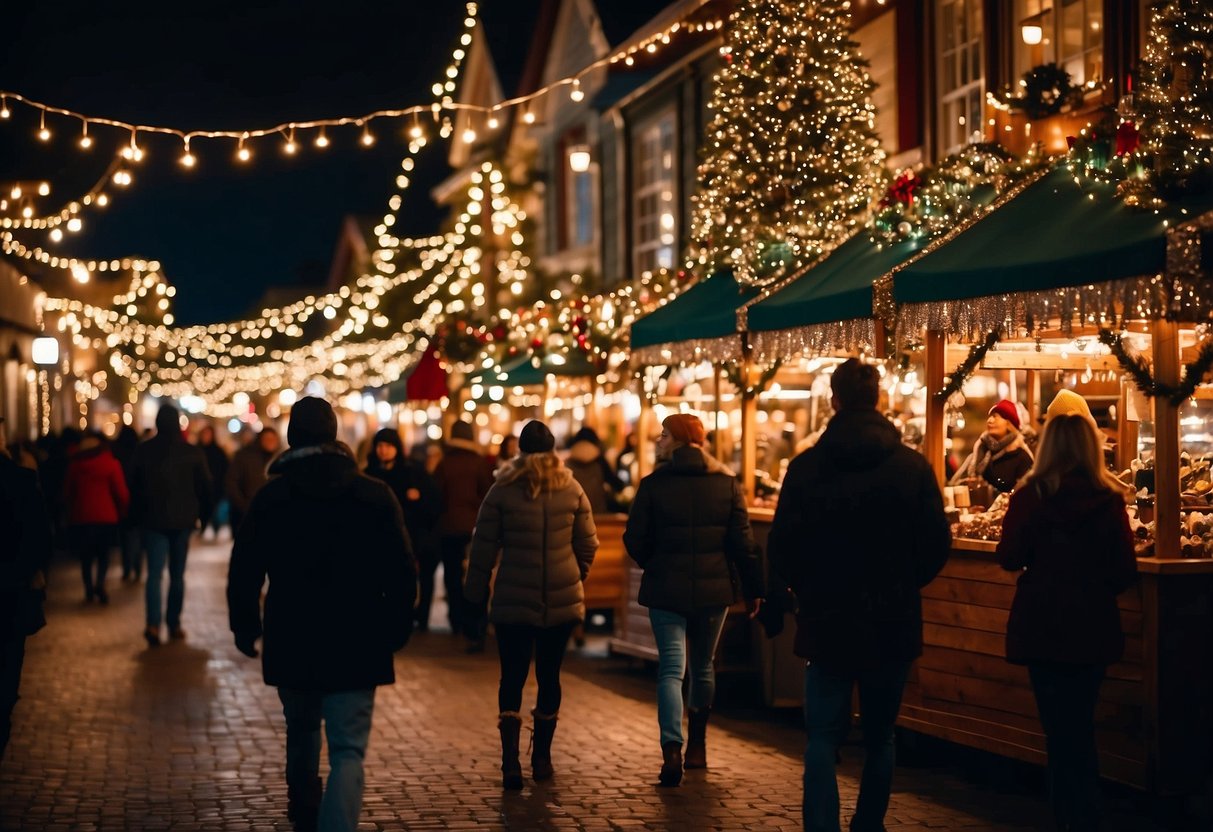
704,312
1056,234
530,370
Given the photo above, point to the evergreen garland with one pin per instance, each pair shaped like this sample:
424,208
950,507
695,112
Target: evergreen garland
961,374
1137,367
732,372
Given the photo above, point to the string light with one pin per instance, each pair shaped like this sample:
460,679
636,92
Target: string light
322,141
187,158
576,93
86,141
290,147
43,133
242,152
5,112
368,138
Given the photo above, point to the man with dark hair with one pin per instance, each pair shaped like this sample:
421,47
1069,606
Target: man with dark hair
342,583
858,531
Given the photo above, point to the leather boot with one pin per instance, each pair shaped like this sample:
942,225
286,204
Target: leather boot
697,752
510,725
303,804
671,764
541,753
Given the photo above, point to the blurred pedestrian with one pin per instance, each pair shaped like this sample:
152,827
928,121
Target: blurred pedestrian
247,474
463,477
417,493
217,464
535,527
97,500
25,534
342,582
130,541
170,495
689,531
593,472
857,584
507,449
1067,533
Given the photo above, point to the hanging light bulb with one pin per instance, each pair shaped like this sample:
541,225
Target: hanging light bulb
493,123
529,117
132,151
577,94
5,112
322,141
187,159
469,135
86,141
44,189
242,152
416,132
56,235
16,192
102,200
43,133
290,147
368,138
74,224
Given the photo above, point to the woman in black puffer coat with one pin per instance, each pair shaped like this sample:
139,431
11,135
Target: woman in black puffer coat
690,532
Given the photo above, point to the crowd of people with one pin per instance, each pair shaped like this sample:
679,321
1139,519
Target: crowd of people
516,537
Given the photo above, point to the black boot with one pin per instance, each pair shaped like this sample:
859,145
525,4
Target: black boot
303,804
541,753
697,752
510,725
671,764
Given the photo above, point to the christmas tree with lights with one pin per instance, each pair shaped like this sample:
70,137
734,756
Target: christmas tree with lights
791,160
1175,97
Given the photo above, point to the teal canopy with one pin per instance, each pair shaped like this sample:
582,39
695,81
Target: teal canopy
839,288
531,370
706,310
1056,234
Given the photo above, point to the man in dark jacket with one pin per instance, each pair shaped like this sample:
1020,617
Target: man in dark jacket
858,531
247,474
464,476
25,530
170,494
342,583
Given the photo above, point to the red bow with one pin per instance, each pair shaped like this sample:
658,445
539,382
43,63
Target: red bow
904,187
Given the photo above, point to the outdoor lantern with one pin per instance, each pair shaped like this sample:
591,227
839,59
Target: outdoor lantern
46,351
1033,33
579,158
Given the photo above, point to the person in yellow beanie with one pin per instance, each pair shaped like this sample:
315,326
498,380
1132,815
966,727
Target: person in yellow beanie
1067,402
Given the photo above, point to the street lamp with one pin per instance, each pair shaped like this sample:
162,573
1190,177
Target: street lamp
579,158
45,351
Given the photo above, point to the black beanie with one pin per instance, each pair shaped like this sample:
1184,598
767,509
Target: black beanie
535,438
313,422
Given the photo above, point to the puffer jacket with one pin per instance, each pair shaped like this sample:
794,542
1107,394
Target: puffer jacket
546,545
689,531
170,484
95,489
591,470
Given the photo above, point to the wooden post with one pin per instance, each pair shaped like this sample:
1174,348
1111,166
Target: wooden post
1165,340
1032,394
936,430
1126,431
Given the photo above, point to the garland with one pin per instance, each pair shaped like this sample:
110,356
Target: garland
732,372
962,373
1139,369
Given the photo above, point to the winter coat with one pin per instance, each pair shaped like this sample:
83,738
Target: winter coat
25,529
1076,553
689,531
170,485
1003,470
416,492
546,545
464,477
592,471
95,489
217,464
342,578
247,475
858,531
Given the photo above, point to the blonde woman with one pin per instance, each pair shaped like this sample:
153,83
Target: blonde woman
537,522
1067,533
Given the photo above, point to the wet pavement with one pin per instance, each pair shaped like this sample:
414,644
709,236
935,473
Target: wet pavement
112,735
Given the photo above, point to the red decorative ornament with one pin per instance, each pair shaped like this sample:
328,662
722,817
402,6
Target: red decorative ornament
903,188
1127,138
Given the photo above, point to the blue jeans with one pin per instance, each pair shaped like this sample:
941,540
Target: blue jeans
162,546
347,725
1066,696
675,634
827,719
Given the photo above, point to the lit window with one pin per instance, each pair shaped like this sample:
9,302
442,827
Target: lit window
960,73
654,209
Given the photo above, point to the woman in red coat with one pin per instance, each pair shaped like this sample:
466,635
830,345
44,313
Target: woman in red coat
97,498
1067,531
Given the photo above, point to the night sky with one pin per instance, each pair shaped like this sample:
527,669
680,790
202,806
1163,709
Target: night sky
225,231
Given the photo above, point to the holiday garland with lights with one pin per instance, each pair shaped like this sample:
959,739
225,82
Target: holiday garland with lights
791,160
1139,369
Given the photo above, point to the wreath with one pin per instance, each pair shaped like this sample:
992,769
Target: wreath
1044,90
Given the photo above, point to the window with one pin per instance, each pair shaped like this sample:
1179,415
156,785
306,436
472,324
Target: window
580,199
960,78
653,208
1068,33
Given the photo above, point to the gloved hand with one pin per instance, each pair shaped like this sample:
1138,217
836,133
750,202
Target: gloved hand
246,643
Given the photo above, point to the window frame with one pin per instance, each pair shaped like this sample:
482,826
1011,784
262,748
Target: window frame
654,180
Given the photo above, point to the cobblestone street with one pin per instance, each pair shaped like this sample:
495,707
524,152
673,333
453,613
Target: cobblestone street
112,735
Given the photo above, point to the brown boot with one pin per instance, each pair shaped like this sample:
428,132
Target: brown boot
541,753
510,725
671,764
697,752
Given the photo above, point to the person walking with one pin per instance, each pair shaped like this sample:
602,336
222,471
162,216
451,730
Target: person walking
536,521
593,472
1067,533
689,531
857,583
170,494
217,464
247,474
416,492
464,477
342,583
130,541
97,500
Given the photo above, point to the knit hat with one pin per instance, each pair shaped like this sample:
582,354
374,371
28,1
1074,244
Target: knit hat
1007,410
313,422
685,428
535,438
1067,402
462,430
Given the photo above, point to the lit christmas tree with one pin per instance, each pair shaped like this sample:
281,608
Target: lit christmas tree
791,160
1175,97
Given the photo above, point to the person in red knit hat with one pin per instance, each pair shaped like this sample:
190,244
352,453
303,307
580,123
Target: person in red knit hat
1000,457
